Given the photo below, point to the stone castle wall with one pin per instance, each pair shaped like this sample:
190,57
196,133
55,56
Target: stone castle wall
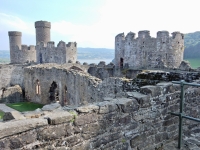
12,75
139,121
20,53
44,51
74,85
147,52
63,53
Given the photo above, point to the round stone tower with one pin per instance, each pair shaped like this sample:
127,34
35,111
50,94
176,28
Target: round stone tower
15,44
42,31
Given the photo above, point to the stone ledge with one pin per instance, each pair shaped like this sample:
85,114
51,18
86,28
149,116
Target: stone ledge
14,127
59,117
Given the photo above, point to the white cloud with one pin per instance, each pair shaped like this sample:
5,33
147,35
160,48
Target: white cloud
118,16
13,23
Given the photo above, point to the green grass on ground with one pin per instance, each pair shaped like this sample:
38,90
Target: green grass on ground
24,106
194,62
1,115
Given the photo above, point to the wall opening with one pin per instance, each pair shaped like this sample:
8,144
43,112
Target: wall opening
40,58
66,101
54,92
37,87
121,62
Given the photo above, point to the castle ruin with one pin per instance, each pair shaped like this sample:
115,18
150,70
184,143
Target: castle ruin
44,51
117,106
148,52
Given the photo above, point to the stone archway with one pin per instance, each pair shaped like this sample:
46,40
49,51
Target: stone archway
54,92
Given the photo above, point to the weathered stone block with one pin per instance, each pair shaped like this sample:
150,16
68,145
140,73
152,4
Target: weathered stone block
143,100
51,132
11,128
13,115
151,90
51,107
59,117
106,107
85,119
127,105
91,130
87,108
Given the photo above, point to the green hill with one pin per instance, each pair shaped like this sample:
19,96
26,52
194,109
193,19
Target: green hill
192,45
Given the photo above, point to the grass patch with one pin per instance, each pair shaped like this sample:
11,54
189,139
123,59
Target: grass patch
194,62
24,106
1,115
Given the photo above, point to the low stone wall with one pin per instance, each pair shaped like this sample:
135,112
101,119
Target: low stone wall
11,94
140,120
11,75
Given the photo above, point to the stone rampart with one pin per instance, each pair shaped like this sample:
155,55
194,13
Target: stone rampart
140,120
63,53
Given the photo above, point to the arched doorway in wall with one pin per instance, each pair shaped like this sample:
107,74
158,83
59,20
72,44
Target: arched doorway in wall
54,92
121,62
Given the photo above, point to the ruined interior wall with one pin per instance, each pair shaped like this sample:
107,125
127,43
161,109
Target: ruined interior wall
79,84
11,75
82,88
120,123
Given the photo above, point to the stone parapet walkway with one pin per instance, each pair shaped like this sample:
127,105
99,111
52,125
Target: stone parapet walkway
5,108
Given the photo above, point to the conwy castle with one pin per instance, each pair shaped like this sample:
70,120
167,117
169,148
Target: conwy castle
125,105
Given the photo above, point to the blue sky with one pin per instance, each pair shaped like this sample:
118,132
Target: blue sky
95,23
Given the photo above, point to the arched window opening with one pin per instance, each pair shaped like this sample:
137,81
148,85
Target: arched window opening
66,102
37,87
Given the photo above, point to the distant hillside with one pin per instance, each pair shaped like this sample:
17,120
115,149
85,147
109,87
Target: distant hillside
85,54
192,45
95,53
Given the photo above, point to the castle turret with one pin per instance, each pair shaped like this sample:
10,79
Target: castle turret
15,44
42,31
119,50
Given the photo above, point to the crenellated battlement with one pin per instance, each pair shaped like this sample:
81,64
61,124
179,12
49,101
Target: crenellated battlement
28,48
63,53
44,24
14,33
145,51
71,44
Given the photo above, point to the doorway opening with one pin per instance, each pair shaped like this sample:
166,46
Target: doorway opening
54,92
121,62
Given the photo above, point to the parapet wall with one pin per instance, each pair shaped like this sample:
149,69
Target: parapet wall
141,120
63,53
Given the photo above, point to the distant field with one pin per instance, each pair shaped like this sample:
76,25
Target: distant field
195,62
